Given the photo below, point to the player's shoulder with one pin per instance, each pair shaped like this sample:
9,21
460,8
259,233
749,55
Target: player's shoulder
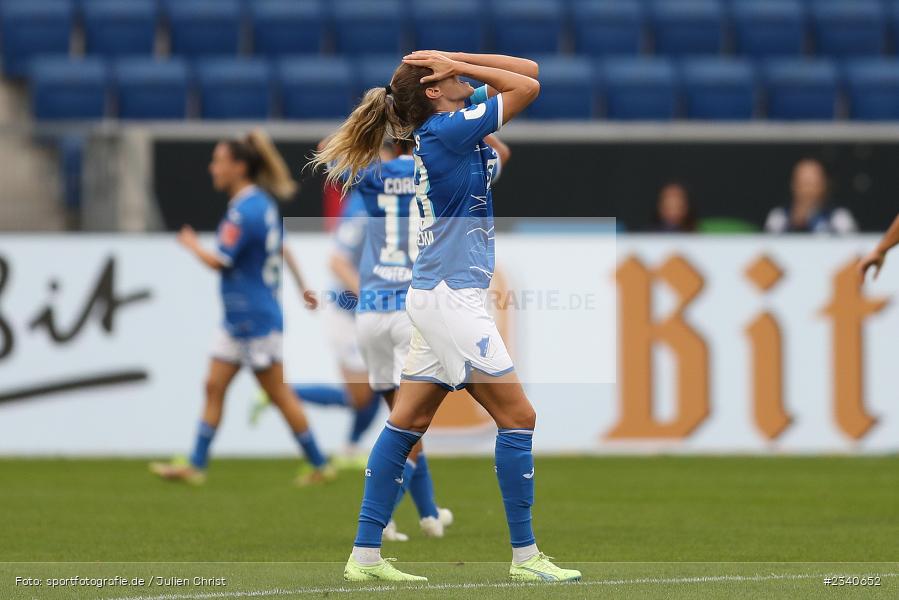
401,166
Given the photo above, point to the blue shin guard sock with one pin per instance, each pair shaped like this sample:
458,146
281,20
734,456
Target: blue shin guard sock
199,458
408,475
421,489
307,442
515,472
383,478
363,418
323,395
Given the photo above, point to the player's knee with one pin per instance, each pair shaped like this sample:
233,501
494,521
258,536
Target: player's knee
215,390
525,418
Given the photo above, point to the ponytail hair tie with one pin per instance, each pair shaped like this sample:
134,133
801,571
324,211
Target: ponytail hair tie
387,89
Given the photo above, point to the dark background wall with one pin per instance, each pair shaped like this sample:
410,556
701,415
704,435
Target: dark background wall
741,180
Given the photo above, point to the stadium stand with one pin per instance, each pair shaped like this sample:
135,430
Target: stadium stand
801,89
233,88
286,27
145,88
117,28
639,88
66,88
364,36
872,86
608,28
316,88
719,88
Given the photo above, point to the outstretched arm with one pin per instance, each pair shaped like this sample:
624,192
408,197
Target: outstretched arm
294,267
345,272
877,256
187,237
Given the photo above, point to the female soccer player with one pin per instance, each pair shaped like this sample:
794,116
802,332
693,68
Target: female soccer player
878,255
455,343
248,258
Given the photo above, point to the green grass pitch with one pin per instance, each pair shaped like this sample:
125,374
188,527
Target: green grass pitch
638,527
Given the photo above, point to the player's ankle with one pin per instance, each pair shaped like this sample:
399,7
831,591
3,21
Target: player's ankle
524,554
366,556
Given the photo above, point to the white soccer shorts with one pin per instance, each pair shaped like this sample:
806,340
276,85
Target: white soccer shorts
341,326
452,334
384,342
258,353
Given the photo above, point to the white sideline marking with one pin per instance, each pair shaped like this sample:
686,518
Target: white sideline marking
479,586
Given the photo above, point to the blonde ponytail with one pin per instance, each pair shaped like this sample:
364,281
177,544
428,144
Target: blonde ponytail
273,174
355,145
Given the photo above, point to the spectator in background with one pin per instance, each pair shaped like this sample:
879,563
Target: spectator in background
674,213
808,211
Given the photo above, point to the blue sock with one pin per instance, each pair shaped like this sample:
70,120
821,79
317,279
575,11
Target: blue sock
422,489
515,471
324,395
385,467
363,418
310,448
200,456
408,475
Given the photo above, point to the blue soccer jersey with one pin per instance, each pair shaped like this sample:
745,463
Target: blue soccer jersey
388,190
454,170
249,246
348,238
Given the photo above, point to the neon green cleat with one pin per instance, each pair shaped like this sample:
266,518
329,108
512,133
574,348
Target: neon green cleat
383,571
539,568
259,406
179,469
350,462
309,475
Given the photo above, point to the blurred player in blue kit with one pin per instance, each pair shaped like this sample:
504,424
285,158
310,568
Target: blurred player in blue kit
455,343
248,258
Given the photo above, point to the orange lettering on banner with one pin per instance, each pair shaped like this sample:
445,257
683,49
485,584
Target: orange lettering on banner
767,360
848,310
638,333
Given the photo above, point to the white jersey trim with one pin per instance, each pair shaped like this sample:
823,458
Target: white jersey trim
499,112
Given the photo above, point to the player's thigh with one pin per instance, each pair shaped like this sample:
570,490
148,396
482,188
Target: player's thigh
504,398
415,404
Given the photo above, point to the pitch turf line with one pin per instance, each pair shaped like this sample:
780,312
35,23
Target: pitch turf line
479,586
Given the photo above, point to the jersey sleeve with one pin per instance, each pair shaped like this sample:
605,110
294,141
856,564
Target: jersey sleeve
233,233
460,130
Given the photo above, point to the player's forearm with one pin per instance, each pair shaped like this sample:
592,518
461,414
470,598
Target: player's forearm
345,273
207,258
522,66
518,90
890,238
294,267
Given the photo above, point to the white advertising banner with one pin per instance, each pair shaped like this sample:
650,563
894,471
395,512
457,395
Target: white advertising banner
724,344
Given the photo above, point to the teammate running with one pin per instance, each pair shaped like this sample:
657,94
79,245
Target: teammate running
248,257
455,343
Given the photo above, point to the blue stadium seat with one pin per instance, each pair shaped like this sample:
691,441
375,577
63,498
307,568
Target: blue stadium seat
719,88
853,28
375,71
458,24
523,27
872,85
567,89
687,27
31,28
149,89
286,27
639,88
65,88
798,89
204,27
608,27
769,27
232,88
365,27
119,27
316,88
